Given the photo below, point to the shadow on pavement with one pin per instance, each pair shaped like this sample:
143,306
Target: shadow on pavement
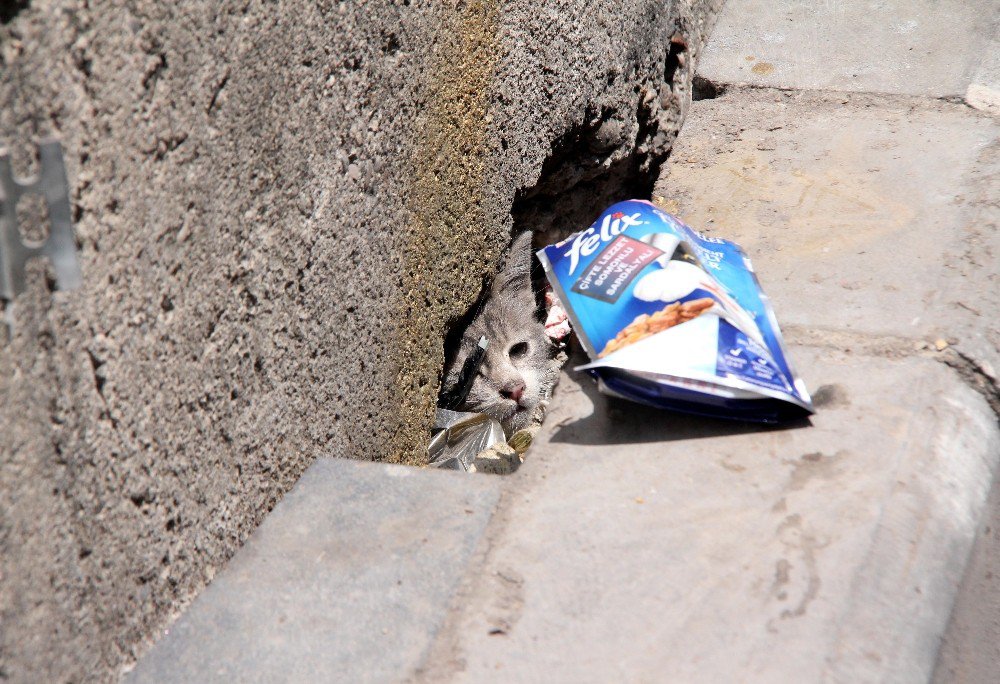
617,421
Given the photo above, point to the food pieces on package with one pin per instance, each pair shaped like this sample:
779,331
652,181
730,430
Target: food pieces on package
643,326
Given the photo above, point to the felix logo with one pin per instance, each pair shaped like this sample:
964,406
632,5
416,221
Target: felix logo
588,241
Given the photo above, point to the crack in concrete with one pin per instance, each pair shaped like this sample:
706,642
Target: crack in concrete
975,376
492,594
971,371
883,346
709,89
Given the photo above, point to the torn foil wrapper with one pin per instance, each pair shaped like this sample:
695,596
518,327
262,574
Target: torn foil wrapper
458,437
673,318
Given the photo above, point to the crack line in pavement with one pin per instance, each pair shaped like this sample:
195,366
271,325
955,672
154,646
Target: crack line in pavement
976,377
971,372
711,90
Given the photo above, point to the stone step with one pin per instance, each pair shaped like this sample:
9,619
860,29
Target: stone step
911,47
348,579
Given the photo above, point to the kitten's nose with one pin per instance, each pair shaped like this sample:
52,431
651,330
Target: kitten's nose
513,391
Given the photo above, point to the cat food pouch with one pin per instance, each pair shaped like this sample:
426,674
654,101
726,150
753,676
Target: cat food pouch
673,318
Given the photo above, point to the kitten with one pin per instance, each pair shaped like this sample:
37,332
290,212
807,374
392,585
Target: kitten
516,373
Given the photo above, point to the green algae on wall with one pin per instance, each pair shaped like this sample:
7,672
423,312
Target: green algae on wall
448,250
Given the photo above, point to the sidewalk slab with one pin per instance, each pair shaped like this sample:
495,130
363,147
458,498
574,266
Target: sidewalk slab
911,47
861,214
347,579
636,545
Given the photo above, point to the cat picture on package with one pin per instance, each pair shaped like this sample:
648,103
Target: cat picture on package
516,374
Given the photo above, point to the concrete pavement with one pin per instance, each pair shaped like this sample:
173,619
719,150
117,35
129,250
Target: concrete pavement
638,546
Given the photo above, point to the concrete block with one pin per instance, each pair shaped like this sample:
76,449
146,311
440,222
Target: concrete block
901,46
643,546
348,579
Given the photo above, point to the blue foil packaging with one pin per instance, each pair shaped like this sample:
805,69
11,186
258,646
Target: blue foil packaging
673,318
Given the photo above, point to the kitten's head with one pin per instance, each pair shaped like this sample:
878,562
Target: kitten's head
514,375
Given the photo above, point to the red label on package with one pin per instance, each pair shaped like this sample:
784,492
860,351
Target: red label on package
610,273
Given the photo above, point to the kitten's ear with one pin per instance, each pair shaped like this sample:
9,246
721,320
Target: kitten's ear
516,270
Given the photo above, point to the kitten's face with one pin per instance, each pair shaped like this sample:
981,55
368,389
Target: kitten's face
513,377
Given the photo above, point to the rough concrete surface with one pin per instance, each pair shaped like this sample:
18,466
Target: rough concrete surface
872,223
636,545
279,207
348,579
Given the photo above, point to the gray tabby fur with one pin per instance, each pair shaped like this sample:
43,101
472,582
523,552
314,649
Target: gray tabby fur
519,353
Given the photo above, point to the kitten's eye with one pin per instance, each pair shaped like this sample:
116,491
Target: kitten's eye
518,350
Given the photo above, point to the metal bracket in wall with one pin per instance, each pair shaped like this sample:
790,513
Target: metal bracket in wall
60,245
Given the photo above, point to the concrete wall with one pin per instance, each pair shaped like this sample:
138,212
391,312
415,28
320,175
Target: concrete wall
279,207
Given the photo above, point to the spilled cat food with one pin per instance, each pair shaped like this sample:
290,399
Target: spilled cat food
673,318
